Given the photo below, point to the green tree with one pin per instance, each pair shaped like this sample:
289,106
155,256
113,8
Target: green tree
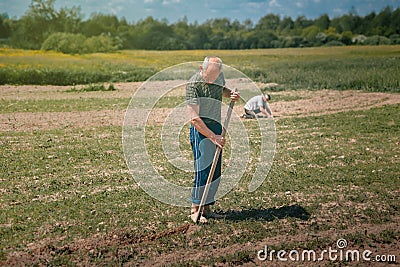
310,33
100,24
157,35
346,37
366,24
34,27
181,29
266,32
344,23
331,34
323,22
248,25
381,23
267,40
286,26
301,23
268,22
395,20
68,20
40,21
5,26
200,37
125,33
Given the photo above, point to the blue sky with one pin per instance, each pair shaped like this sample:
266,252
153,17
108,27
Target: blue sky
201,10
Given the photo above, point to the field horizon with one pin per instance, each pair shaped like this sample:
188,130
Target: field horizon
369,68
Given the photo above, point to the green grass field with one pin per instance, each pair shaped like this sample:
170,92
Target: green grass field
371,68
67,197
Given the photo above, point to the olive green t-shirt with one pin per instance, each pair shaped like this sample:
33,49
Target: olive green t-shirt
207,96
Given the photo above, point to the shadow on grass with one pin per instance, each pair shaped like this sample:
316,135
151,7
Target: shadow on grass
270,214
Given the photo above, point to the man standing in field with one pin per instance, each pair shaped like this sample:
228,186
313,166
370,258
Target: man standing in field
257,104
204,93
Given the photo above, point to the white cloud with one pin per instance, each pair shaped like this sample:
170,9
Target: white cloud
116,9
338,11
251,4
168,2
274,3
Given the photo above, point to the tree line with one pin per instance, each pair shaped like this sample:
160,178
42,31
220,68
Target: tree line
65,30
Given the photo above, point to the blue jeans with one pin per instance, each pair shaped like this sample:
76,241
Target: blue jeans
203,152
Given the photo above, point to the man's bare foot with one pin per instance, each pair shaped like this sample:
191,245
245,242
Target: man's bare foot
202,219
194,210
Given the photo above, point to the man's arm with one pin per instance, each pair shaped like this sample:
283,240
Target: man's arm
232,94
199,124
266,111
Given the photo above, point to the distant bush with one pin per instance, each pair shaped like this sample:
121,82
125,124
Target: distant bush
334,43
70,43
93,87
395,39
99,44
359,39
67,43
377,40
346,37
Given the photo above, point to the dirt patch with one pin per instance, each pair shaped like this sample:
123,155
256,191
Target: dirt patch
42,252
52,92
202,253
331,101
90,248
310,103
40,121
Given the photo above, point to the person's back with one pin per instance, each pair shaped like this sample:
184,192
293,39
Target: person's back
257,104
